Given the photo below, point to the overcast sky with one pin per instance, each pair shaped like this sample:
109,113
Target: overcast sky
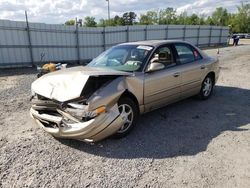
58,11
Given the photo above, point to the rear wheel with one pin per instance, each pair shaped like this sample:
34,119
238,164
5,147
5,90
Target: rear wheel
207,87
129,113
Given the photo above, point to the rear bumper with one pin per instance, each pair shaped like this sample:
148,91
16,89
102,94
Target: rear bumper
93,130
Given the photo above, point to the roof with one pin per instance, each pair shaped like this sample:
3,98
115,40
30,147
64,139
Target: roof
154,43
157,43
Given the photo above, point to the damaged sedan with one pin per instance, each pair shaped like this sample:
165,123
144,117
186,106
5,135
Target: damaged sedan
106,97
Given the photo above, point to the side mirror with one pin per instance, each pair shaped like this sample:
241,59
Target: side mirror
155,66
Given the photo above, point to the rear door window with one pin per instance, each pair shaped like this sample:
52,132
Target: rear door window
186,53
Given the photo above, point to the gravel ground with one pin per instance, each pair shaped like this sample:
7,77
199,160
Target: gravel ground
192,143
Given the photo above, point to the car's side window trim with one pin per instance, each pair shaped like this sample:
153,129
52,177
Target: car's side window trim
148,59
199,54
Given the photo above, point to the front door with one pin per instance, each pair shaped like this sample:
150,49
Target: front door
163,86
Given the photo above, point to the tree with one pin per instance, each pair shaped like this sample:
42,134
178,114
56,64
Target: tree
193,20
150,18
167,16
118,20
70,22
129,18
220,16
241,21
101,23
202,19
89,22
182,18
209,21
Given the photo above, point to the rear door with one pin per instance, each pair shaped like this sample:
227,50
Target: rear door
191,69
163,86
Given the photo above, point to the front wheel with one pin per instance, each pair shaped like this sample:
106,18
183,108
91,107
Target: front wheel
129,113
207,87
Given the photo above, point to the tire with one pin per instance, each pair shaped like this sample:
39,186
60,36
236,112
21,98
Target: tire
206,88
39,75
131,110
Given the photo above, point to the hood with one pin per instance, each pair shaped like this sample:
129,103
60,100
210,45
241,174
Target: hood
68,84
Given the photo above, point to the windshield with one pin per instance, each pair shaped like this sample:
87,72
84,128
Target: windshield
127,58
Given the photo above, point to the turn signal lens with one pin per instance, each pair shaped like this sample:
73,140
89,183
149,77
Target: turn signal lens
100,110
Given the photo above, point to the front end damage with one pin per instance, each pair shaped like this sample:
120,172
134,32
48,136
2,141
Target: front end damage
89,115
65,122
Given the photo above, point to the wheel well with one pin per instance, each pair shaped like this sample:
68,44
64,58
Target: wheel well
212,74
131,96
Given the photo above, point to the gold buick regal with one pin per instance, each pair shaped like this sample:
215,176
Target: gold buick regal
106,97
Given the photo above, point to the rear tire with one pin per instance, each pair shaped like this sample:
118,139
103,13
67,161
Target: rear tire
129,112
206,87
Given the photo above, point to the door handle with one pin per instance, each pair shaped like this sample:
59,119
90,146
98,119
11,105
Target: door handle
203,66
177,74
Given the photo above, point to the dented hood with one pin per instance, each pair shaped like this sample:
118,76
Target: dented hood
68,84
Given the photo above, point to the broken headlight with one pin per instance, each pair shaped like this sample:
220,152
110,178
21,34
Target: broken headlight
81,112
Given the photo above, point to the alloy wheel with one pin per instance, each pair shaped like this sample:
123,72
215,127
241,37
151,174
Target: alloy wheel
207,87
127,115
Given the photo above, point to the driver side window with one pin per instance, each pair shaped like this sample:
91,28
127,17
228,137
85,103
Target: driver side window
164,55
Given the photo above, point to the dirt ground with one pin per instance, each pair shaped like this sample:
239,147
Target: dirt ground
191,143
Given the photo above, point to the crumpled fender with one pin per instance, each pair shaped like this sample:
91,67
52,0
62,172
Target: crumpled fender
108,95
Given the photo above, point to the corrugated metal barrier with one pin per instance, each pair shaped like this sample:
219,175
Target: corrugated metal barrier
22,44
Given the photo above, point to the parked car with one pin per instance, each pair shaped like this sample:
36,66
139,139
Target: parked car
247,36
239,35
106,97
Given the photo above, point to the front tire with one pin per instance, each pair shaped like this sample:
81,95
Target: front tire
207,87
129,112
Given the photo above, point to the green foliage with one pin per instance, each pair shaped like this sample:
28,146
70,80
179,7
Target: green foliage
150,18
129,18
182,18
167,16
220,16
193,20
70,22
116,21
210,21
102,23
239,22
89,22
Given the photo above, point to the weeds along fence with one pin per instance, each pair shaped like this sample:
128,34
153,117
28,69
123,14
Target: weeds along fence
22,43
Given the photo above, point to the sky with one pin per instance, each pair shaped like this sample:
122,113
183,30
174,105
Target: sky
59,11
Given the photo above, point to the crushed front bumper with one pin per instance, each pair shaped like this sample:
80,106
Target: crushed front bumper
63,125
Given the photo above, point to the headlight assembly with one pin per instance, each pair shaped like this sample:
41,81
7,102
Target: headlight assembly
80,111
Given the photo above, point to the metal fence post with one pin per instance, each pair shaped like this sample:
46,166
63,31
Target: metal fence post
127,33
220,35
146,32
166,29
104,38
77,43
198,39
184,32
210,35
29,40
